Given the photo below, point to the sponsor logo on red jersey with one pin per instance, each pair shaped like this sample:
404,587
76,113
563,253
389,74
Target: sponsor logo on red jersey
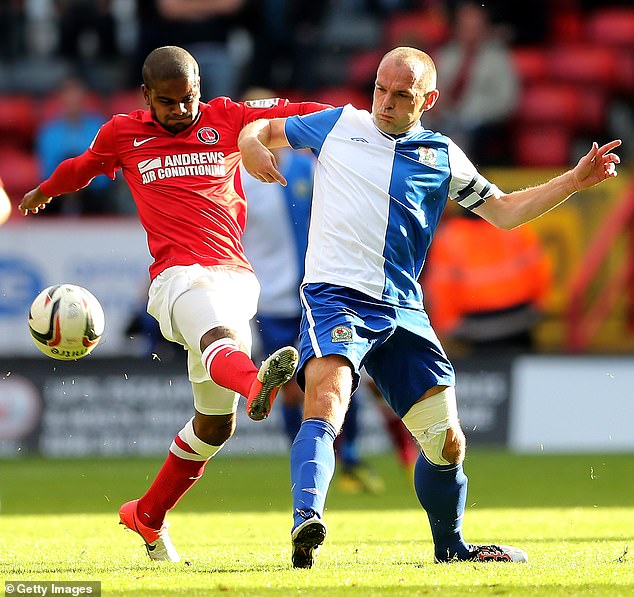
203,163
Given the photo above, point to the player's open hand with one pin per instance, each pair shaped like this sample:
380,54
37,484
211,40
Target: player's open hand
33,201
260,162
597,165
254,142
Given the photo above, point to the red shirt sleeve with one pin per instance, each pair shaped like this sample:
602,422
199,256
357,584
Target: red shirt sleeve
76,173
277,108
294,109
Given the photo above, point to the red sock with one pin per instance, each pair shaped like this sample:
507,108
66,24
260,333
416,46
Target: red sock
229,367
174,479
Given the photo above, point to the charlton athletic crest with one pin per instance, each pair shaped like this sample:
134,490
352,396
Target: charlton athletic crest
341,333
208,135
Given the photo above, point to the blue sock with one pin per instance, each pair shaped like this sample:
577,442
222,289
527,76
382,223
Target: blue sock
292,416
312,468
442,491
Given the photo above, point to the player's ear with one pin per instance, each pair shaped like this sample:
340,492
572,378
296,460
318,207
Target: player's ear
431,97
146,94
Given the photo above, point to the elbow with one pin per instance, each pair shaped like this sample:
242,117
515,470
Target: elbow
501,213
504,218
257,131
508,225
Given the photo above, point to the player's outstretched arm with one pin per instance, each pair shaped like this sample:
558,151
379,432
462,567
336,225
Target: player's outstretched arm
510,210
33,201
254,142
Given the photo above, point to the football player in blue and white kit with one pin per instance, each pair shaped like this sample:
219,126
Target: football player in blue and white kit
381,184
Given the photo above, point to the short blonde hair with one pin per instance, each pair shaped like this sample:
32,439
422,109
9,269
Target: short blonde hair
420,62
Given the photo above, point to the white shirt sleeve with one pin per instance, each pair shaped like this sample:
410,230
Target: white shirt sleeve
467,186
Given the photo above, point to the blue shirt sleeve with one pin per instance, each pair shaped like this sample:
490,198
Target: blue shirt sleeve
310,131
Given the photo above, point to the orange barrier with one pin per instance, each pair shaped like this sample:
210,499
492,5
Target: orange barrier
584,317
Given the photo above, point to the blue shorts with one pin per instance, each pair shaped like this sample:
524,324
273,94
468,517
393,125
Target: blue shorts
397,346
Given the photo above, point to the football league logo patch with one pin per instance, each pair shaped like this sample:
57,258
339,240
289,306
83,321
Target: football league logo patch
263,103
208,135
341,333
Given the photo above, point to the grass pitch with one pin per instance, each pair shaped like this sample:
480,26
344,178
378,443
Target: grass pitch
573,514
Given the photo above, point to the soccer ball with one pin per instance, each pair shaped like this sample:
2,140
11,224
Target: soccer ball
66,322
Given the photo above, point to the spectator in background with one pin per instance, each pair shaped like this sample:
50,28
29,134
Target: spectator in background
522,27
286,42
5,204
66,134
78,18
385,8
204,28
12,29
485,287
480,87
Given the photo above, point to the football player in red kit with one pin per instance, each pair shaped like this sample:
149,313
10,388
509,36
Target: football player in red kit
180,159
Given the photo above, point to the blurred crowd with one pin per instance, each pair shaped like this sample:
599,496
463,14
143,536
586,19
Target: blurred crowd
520,87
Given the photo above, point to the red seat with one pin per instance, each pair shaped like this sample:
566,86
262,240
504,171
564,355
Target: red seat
125,101
584,64
531,64
566,26
340,96
594,107
542,146
361,68
625,73
18,120
550,103
19,170
612,26
425,30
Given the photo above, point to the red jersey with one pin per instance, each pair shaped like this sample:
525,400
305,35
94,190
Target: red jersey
186,186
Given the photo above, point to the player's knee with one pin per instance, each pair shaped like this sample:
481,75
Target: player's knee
215,430
209,337
329,406
434,424
328,389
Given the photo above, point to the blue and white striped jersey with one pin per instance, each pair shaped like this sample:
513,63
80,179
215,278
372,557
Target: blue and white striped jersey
377,201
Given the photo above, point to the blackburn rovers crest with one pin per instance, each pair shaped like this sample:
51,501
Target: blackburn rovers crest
341,333
428,156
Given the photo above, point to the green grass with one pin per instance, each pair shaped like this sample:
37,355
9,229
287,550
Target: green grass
573,514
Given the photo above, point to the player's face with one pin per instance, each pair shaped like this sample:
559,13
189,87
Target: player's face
398,103
174,103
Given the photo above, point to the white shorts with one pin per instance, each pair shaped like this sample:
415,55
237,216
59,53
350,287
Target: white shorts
187,302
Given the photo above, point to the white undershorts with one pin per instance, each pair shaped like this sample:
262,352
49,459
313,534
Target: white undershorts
188,301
